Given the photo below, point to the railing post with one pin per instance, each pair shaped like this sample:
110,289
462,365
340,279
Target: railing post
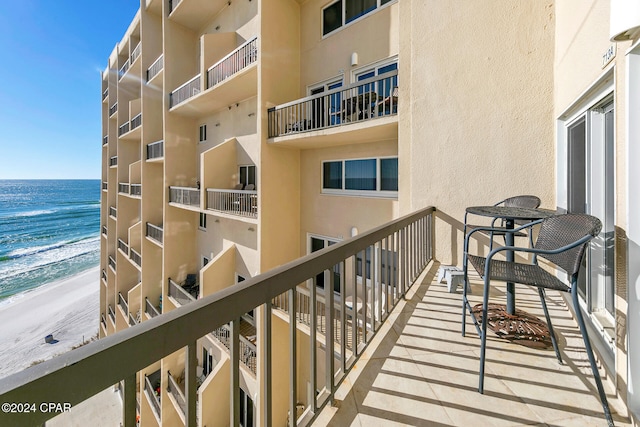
190,384
267,390
354,305
313,331
343,327
293,355
129,403
234,351
329,339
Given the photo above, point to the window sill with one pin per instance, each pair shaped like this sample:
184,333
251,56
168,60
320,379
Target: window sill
366,194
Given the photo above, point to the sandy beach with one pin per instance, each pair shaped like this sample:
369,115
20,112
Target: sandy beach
68,309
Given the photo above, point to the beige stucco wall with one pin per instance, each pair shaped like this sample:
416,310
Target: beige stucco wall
479,126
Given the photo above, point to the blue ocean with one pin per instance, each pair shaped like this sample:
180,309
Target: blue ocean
49,230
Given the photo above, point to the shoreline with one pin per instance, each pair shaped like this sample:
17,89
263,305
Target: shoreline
67,308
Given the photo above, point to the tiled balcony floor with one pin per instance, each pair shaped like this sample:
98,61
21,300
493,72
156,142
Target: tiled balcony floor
419,370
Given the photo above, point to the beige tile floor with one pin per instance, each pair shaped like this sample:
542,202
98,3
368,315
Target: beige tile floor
420,371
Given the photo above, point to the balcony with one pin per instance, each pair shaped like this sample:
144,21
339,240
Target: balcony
124,128
248,351
103,275
155,150
105,140
113,109
150,309
123,247
186,292
122,303
135,257
233,202
155,232
113,161
135,53
136,121
245,55
103,322
112,263
418,370
123,70
133,321
361,112
151,390
155,68
176,392
194,14
185,91
112,315
104,185
135,190
123,188
185,196
113,212
105,94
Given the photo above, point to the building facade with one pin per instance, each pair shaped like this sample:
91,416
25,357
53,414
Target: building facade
240,135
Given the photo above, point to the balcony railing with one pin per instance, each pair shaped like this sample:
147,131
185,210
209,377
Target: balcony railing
237,60
113,212
411,238
105,140
365,100
123,304
234,202
113,109
124,68
123,246
155,150
177,393
112,262
104,230
104,275
135,257
113,161
248,351
155,232
184,92
179,294
103,321
112,314
132,320
155,68
123,187
105,94
135,189
151,385
124,128
136,53
185,196
136,121
104,185
151,309
173,4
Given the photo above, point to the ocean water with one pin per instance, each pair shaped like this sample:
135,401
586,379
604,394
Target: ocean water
49,230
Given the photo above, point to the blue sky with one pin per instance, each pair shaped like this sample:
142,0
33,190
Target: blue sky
50,87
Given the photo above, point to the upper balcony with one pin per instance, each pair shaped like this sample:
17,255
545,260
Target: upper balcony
418,369
113,109
155,151
105,95
194,14
155,233
131,129
185,197
155,69
361,112
231,79
186,292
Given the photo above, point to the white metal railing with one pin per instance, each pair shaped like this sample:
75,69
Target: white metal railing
155,68
150,390
112,262
365,100
155,232
155,150
234,202
410,239
248,351
185,91
123,246
135,189
104,185
113,212
136,121
124,128
245,55
151,309
185,196
113,161
123,304
124,68
135,53
113,109
176,392
105,94
112,314
179,294
123,187
135,257
105,140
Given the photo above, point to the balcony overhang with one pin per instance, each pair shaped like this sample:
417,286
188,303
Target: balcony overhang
236,88
195,13
380,129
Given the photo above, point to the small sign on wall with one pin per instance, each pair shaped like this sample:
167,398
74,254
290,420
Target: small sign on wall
608,55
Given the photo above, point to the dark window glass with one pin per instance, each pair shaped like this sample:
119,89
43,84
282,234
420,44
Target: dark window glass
332,176
203,133
360,174
247,175
389,174
357,8
332,17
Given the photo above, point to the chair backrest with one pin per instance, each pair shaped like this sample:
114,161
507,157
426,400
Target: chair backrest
522,202
239,186
562,230
250,187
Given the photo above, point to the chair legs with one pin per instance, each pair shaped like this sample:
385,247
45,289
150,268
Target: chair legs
549,325
592,361
483,334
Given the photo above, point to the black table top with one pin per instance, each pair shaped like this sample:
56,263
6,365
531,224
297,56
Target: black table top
511,212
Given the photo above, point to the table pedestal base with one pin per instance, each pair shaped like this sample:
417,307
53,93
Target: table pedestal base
520,328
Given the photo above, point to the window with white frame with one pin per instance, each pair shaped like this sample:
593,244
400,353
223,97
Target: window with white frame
372,177
247,175
342,12
203,221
